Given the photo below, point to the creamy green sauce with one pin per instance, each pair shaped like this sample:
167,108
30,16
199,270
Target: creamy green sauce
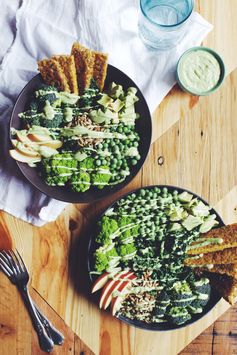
206,266
199,71
205,242
196,257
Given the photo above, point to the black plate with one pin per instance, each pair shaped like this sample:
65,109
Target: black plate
143,127
214,299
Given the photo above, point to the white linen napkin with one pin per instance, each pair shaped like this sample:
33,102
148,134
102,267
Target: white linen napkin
41,28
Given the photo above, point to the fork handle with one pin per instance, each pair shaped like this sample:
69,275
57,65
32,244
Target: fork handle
56,336
45,342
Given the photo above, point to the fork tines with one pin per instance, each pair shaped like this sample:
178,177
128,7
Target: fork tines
11,262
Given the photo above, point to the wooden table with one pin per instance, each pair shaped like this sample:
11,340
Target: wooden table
196,139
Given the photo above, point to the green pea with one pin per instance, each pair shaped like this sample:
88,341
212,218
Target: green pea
104,162
165,190
98,162
133,162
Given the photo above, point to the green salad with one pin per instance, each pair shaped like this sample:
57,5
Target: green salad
80,141
148,232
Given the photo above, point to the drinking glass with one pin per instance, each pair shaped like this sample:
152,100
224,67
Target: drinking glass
162,23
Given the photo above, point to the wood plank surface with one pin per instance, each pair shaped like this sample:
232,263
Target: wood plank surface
196,149
16,333
223,38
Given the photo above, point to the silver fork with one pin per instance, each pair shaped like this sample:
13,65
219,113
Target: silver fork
14,268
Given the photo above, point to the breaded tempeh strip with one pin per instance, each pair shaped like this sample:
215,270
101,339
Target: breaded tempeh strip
225,256
67,64
225,269
100,68
52,74
227,233
84,61
225,285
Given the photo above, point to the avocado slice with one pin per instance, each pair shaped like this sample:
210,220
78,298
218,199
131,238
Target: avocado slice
185,197
191,222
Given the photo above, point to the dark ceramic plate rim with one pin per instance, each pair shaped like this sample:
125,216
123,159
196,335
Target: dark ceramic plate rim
214,299
65,194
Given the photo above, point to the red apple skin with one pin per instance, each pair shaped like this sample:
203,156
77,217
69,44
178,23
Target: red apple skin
100,282
109,287
116,301
109,295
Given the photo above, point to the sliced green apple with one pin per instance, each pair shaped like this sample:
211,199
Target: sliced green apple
22,136
39,137
54,144
17,155
24,148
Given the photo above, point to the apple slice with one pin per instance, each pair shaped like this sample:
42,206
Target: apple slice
24,149
54,143
109,287
109,297
39,137
17,155
22,137
100,282
116,301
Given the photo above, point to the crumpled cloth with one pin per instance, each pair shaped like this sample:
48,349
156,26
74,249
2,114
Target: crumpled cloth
36,29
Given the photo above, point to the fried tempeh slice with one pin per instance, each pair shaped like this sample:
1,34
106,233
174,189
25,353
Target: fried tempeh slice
100,68
216,239
84,61
53,74
225,285
225,256
223,269
67,63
